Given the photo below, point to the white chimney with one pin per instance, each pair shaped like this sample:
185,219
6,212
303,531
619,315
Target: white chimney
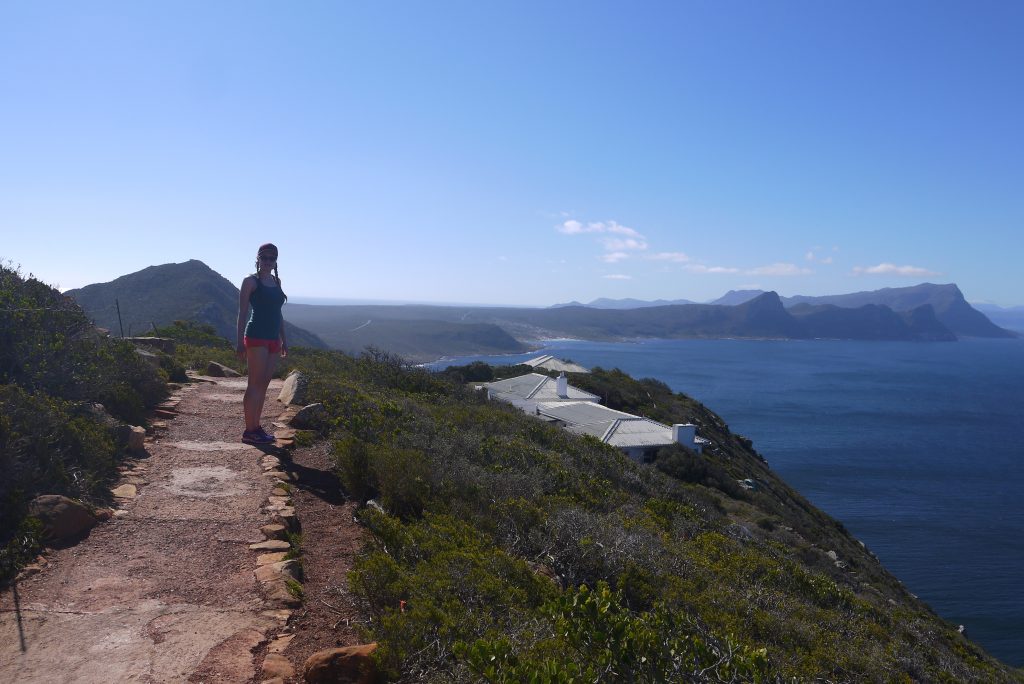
684,433
562,386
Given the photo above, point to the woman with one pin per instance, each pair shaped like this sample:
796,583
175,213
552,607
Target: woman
262,341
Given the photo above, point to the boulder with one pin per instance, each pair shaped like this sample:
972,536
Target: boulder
294,389
64,519
219,370
164,344
274,531
309,416
150,357
351,665
276,665
136,439
121,432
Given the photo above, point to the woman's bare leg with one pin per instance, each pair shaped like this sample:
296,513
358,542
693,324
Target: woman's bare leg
256,389
268,375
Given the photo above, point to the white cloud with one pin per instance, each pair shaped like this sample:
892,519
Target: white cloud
574,227
571,227
893,269
701,268
614,257
779,269
617,276
675,257
613,227
813,255
620,244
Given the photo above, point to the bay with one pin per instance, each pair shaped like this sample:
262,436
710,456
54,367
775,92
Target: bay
918,448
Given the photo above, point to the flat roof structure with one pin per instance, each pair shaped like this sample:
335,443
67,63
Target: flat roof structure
622,430
535,388
552,364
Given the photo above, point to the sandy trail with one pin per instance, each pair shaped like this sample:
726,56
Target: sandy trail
165,591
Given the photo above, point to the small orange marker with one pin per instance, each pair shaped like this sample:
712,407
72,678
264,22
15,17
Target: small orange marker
401,606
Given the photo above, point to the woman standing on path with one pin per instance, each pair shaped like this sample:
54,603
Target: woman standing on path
260,337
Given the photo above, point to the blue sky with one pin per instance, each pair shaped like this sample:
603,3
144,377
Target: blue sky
519,153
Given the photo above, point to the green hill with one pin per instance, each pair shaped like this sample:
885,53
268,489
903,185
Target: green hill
160,295
504,549
64,390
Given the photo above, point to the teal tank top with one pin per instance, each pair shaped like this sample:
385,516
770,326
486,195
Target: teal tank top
265,312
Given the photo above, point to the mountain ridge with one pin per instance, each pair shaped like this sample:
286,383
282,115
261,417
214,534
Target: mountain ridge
159,295
949,305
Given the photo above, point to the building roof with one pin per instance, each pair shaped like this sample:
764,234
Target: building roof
622,430
536,388
551,363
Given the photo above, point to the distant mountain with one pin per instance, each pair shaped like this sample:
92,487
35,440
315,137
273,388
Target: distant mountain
734,297
951,309
870,322
163,294
948,303
1011,318
605,303
763,316
403,330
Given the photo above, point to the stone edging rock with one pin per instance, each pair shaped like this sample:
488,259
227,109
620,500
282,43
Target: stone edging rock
280,579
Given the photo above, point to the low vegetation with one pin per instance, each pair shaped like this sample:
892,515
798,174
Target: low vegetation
65,391
504,549
501,548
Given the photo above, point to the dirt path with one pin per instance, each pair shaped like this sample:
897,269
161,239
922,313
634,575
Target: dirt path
168,590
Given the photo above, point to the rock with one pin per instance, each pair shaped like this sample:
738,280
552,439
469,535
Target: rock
274,531
352,664
287,517
278,595
219,370
832,555
309,416
271,545
136,439
270,558
294,389
63,519
164,344
280,643
125,491
279,570
150,357
276,665
118,430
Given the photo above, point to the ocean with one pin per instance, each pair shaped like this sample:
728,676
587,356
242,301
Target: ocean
918,448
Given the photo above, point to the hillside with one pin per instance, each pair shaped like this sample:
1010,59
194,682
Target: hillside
354,328
499,547
160,295
505,549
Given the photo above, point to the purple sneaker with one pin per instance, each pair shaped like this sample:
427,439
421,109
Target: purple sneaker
256,436
265,433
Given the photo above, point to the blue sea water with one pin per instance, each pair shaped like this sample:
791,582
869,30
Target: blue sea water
918,448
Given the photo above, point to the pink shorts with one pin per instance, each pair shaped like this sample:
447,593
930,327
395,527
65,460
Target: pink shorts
273,346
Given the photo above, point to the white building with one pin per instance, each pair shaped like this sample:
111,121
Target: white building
639,437
526,391
555,400
550,363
